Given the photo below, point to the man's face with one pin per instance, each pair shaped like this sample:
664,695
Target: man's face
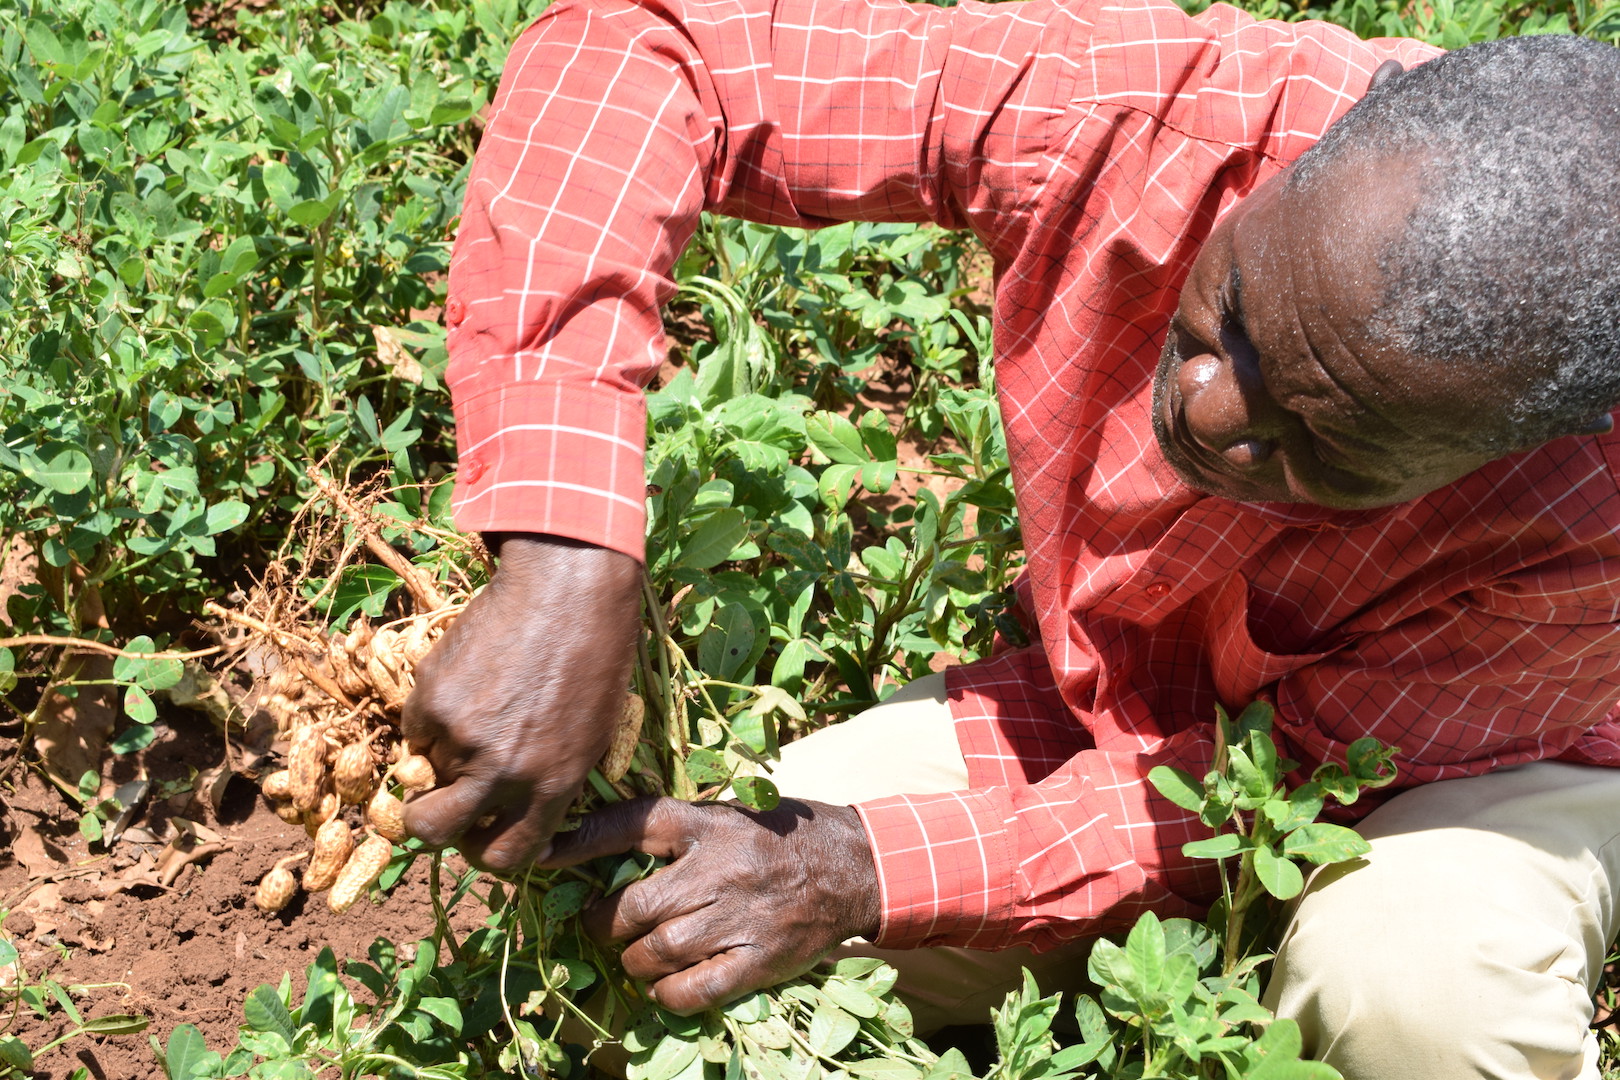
1270,389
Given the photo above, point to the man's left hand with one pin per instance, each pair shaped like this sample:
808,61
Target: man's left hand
749,899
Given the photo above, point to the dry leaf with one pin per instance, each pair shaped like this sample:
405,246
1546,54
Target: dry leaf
37,855
391,353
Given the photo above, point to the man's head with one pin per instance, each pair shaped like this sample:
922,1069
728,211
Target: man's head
1435,284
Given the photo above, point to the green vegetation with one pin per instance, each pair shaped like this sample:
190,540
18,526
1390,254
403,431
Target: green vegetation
224,246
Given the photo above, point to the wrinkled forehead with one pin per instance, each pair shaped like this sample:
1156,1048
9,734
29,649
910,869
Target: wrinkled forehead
1321,262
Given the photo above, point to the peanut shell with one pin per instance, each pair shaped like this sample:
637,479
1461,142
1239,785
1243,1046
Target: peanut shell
364,866
353,774
384,686
626,734
289,813
333,843
414,772
277,785
306,766
416,643
386,814
386,651
277,887
328,809
349,679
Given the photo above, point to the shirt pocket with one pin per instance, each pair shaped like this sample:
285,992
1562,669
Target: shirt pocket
1241,668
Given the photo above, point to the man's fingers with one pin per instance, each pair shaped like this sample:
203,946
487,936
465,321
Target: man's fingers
512,842
637,909
439,817
717,981
675,945
661,827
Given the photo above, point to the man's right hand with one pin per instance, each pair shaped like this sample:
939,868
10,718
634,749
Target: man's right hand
518,700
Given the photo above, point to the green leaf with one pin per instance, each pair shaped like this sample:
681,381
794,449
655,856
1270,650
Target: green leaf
748,1010
727,643
1245,776
1144,948
1179,786
831,1029
672,1055
1281,877
1322,843
854,967
155,674
115,1024
835,437
224,516
446,1011
138,705
68,473
1223,846
565,900
264,1011
1275,1056
884,1069
15,1053
714,540
952,1065
756,793
877,477
851,998
8,953
879,441
836,484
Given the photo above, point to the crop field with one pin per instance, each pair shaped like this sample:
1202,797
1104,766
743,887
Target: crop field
225,476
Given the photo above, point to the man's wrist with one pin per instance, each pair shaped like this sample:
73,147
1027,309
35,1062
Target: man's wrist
865,897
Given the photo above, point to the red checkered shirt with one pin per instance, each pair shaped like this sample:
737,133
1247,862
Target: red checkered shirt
1091,145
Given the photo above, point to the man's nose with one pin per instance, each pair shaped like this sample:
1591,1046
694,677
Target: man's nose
1226,413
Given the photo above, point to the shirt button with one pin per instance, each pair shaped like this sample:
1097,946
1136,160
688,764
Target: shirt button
1157,591
455,311
470,470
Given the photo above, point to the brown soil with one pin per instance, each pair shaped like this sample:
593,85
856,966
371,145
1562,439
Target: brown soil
102,925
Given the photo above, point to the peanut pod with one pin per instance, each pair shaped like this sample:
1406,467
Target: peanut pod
325,811
364,866
333,843
626,734
277,785
386,814
354,772
306,766
414,772
277,887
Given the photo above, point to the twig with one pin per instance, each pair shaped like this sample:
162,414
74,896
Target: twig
283,638
422,589
104,648
327,686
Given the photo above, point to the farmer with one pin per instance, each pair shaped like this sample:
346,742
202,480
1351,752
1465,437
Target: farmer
1334,433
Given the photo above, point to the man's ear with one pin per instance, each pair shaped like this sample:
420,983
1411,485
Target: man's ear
1386,71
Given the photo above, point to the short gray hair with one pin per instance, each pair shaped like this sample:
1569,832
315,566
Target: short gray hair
1510,261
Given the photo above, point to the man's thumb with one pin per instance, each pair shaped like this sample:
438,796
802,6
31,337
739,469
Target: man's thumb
439,817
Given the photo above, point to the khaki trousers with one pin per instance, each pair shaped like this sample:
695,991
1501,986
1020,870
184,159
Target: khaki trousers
1464,947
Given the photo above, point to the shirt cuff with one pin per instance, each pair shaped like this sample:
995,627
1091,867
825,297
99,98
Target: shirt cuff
563,460
945,868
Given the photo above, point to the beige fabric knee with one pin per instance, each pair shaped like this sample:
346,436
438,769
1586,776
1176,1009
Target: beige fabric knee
907,745
1467,944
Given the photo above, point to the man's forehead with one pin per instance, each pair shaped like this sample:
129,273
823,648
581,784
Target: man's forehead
1315,265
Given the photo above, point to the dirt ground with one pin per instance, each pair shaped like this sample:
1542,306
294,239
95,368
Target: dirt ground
104,926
